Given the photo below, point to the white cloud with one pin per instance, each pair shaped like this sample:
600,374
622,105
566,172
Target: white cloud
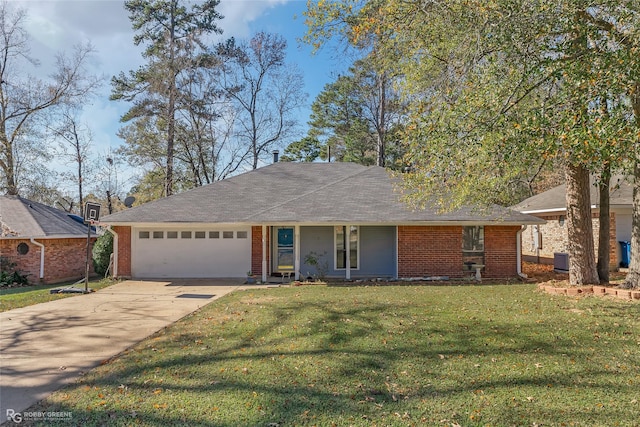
239,14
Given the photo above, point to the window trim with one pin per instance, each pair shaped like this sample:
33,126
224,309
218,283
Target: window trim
335,247
483,239
22,248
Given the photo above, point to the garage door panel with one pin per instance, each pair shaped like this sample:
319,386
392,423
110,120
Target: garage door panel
192,257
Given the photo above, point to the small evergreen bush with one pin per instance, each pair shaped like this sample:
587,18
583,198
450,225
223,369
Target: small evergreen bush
101,253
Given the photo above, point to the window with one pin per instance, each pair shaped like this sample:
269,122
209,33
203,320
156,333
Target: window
200,234
23,248
214,234
172,234
143,235
158,234
227,234
342,239
472,247
241,235
185,234
473,239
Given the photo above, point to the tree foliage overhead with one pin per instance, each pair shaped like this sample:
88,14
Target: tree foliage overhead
173,33
498,89
27,103
352,121
264,90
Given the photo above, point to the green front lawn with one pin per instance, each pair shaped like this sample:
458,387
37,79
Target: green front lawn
24,296
376,356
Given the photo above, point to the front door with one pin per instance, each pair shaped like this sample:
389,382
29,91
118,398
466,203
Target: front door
284,255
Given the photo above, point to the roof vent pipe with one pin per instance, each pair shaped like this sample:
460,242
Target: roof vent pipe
275,156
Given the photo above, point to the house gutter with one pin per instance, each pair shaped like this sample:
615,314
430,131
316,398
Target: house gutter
115,251
519,252
33,240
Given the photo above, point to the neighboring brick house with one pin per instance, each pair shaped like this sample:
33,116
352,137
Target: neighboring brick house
43,242
341,220
540,243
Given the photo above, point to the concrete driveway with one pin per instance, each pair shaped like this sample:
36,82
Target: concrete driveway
45,346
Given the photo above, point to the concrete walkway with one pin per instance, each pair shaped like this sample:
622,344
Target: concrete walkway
45,346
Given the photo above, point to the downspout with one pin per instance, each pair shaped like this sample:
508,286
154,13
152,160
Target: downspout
115,251
519,252
33,240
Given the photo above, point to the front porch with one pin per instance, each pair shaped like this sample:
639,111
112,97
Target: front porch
330,251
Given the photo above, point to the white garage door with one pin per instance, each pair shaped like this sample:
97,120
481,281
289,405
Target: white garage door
191,253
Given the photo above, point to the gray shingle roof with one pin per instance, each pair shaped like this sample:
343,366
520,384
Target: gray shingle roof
621,194
24,218
310,193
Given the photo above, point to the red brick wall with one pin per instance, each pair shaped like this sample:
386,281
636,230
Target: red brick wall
437,251
26,264
500,251
124,250
429,251
64,259
256,250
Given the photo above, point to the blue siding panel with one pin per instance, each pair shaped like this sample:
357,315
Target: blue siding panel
377,251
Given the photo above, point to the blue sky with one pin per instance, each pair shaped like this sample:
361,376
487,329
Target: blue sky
56,25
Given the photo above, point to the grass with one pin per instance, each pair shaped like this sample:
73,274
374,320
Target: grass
376,356
24,296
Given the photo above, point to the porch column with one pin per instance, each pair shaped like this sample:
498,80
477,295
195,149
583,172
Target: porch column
347,244
264,254
296,252
396,276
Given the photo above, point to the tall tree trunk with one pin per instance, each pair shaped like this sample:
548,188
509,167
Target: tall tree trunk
78,146
582,260
171,107
8,168
6,160
171,126
382,93
633,277
604,235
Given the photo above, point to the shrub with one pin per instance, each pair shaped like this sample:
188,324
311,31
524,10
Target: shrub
319,262
102,249
9,275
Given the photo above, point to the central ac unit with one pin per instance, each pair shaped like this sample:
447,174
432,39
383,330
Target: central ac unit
561,262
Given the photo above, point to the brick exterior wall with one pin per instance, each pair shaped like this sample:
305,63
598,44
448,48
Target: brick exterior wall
437,251
422,251
64,259
256,250
124,251
500,251
429,251
554,239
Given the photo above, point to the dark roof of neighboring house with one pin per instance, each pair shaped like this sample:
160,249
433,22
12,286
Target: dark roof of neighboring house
621,195
24,218
310,193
